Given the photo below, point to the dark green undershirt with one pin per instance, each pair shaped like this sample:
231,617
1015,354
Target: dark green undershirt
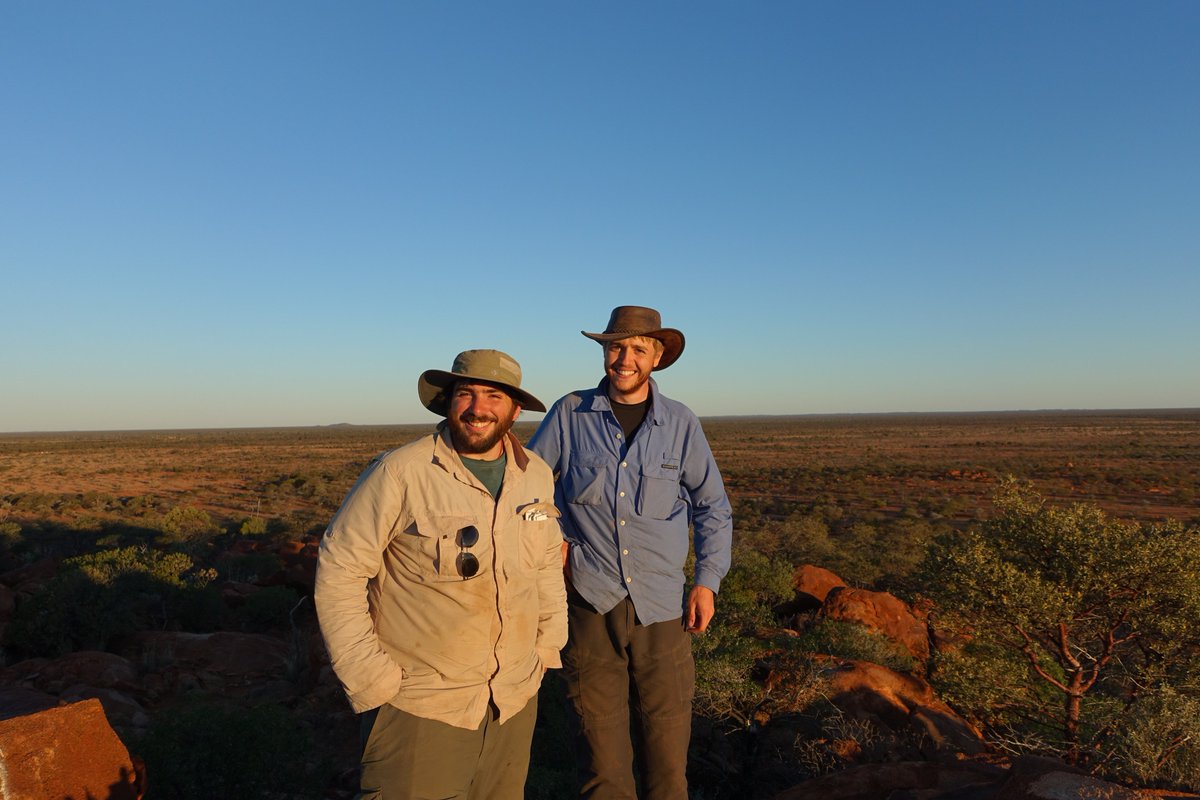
489,473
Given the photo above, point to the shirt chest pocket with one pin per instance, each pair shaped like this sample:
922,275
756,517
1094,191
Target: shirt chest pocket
583,482
431,548
658,490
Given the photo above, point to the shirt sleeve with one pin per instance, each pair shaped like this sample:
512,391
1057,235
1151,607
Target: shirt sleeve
547,440
712,515
351,554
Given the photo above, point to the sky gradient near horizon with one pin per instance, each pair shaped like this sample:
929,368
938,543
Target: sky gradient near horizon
227,214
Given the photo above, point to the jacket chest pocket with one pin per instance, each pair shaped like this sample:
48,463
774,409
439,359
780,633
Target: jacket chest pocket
583,482
658,490
433,548
537,528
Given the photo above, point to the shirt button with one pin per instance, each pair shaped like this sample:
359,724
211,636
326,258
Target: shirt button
618,436
622,522
622,494
624,464
629,580
624,552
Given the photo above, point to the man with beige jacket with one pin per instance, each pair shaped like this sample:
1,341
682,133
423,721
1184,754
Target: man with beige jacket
440,593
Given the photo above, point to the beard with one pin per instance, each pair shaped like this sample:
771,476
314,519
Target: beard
627,385
469,441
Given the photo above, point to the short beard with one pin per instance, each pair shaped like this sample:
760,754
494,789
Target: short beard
468,442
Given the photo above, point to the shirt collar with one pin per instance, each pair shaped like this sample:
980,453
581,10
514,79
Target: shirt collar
602,402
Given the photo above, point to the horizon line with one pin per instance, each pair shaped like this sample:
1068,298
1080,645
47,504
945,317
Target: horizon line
1124,411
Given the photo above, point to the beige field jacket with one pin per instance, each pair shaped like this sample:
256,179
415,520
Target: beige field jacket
402,625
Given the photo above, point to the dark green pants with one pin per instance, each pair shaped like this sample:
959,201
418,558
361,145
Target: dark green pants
406,757
611,662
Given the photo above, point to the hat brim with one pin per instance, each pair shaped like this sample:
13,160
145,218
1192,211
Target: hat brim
432,385
671,339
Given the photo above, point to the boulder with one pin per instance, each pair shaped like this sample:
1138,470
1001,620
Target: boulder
882,613
121,709
66,752
813,584
91,667
963,780
299,566
1038,778
222,662
8,603
897,701
17,701
27,579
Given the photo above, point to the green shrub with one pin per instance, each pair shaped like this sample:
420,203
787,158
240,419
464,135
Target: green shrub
208,750
97,597
186,525
1076,612
1160,744
267,609
253,526
853,641
10,534
248,567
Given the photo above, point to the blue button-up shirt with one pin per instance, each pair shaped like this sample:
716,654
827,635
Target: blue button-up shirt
627,506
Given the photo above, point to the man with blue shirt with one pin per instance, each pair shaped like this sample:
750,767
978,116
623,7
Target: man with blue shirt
633,473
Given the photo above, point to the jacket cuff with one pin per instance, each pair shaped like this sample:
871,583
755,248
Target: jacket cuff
550,658
377,694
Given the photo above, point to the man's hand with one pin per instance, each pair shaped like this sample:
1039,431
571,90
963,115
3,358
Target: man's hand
701,605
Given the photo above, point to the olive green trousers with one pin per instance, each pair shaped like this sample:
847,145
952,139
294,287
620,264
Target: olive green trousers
406,757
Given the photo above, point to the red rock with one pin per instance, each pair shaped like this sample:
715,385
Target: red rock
882,613
66,752
898,701
815,583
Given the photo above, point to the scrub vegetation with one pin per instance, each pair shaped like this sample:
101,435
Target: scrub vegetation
1056,556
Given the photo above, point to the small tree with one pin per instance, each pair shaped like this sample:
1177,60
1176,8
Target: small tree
1099,611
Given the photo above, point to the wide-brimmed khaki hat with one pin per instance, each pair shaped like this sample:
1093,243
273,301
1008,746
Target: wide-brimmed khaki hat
488,366
627,321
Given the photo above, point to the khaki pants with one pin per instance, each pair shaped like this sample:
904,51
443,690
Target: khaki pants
406,757
611,662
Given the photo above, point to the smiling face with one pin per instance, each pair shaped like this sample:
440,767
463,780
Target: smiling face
628,363
479,415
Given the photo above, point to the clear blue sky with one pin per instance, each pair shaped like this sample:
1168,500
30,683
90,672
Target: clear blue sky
279,213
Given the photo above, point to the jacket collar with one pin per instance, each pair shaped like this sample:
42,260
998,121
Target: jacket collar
446,457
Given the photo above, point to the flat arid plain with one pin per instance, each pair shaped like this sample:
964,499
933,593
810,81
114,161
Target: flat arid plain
1142,465
126,554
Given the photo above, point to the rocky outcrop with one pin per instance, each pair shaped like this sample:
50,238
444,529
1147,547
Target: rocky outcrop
898,702
66,752
882,613
224,662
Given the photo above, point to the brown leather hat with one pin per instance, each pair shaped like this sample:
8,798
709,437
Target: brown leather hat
627,321
487,366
